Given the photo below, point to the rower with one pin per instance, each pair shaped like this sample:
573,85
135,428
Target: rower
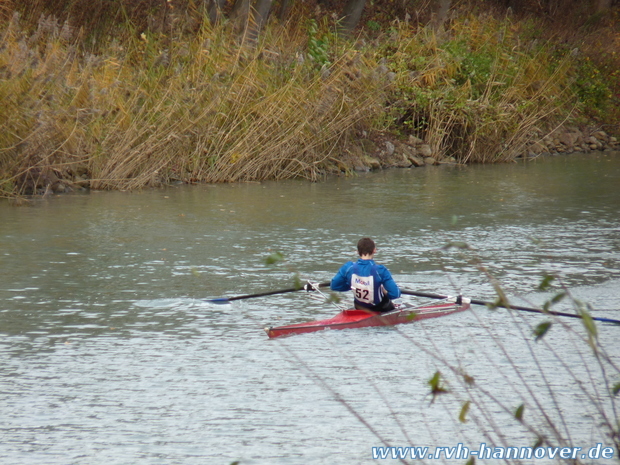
372,284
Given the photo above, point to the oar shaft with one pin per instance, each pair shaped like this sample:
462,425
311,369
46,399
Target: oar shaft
535,310
261,294
425,294
513,307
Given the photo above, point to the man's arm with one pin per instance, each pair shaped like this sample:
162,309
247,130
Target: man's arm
390,286
341,282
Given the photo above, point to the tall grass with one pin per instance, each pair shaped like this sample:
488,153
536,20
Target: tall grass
153,107
151,110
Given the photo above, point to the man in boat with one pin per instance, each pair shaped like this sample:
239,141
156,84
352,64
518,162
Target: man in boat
372,285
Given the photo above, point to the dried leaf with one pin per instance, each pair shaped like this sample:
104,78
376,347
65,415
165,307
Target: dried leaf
545,283
558,297
436,387
457,245
588,322
519,412
468,379
334,298
464,411
542,329
274,258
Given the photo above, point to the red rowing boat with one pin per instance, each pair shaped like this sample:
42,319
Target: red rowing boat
404,313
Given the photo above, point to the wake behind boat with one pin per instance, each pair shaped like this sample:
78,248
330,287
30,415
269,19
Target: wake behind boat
347,319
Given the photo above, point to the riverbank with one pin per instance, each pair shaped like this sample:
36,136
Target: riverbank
149,108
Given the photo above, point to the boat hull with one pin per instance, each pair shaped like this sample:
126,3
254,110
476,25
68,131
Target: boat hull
348,319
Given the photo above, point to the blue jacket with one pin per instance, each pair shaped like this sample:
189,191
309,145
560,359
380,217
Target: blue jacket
367,280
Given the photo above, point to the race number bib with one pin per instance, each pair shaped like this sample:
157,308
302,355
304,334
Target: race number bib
363,288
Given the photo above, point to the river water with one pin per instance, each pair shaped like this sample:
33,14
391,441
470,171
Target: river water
110,354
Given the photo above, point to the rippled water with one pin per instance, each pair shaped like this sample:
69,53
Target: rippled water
109,353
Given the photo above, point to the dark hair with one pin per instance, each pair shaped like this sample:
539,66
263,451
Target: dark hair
365,246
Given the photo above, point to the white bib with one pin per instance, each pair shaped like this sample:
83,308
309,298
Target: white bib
363,288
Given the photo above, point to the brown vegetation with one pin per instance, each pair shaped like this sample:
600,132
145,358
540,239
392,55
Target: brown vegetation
106,100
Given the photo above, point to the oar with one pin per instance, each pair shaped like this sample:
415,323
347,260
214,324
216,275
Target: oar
225,300
514,307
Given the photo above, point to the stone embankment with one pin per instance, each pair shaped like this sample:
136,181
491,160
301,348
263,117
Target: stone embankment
573,140
373,154
386,152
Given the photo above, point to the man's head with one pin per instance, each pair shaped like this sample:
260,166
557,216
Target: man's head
365,246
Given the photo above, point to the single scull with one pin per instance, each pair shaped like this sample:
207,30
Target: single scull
404,313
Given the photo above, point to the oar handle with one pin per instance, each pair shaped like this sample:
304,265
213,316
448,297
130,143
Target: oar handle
513,307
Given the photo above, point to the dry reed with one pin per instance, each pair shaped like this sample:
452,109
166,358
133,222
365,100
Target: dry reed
157,107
